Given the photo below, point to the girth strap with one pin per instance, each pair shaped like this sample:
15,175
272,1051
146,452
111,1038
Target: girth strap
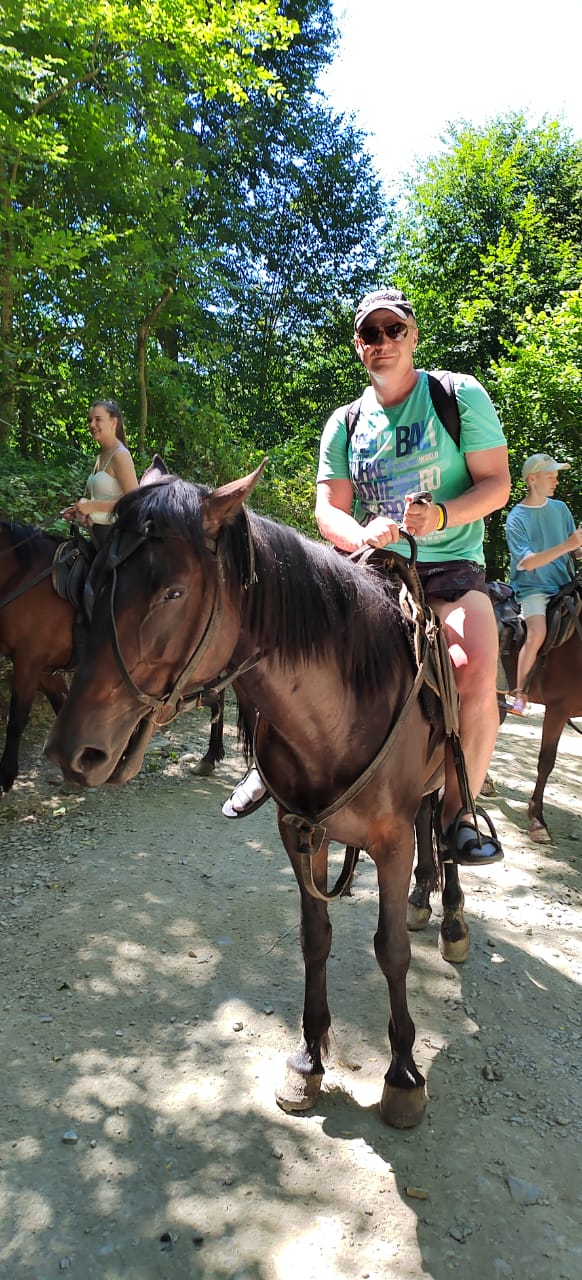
307,841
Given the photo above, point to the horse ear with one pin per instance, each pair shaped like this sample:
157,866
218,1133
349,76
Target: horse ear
155,471
225,503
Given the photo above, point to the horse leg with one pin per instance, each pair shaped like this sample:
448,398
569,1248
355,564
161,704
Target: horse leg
404,1094
54,688
426,869
454,937
215,752
301,1084
554,722
25,681
428,873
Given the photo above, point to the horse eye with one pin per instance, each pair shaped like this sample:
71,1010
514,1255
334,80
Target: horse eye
173,595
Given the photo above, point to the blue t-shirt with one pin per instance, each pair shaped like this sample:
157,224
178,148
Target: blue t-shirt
532,529
405,448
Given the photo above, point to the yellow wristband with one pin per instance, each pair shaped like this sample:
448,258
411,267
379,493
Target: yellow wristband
441,519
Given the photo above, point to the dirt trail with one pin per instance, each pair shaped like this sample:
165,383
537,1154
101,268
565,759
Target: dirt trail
151,985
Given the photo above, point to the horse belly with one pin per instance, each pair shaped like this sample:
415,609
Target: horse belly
38,628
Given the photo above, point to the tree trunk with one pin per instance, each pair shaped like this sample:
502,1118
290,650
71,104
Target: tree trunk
7,383
142,339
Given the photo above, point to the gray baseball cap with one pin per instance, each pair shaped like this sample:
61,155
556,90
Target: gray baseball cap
383,299
542,462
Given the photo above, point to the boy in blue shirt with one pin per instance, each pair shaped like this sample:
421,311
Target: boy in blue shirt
541,535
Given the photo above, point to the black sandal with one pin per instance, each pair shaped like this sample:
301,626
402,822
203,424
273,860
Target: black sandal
469,850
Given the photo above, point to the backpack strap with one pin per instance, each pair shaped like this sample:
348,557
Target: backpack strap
352,413
444,399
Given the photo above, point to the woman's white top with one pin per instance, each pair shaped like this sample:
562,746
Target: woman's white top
102,487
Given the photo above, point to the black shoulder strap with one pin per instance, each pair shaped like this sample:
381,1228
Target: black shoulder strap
442,393
351,417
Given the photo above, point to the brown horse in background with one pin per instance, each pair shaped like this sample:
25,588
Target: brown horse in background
557,684
216,593
36,631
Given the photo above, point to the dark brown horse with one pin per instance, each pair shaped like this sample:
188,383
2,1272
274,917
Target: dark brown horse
557,684
197,591
36,629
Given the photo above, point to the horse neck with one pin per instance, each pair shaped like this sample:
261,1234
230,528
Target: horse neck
24,549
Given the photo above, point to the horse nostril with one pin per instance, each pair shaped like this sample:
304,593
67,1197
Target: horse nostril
89,757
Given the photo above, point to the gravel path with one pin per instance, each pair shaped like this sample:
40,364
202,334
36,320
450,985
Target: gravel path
151,985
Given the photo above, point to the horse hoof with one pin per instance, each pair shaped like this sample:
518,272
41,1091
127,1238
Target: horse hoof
204,769
402,1108
298,1092
417,917
455,950
488,788
538,832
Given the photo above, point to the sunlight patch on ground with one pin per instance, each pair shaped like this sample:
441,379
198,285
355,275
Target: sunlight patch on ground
313,1252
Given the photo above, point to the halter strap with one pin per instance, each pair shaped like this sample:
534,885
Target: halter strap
175,700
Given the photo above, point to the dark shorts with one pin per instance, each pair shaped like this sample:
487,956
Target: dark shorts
450,581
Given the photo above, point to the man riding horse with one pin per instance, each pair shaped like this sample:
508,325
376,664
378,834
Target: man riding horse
366,484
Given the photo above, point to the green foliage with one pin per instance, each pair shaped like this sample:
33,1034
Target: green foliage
488,228
487,240
33,493
101,146
137,163
537,385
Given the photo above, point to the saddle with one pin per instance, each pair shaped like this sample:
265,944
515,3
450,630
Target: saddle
510,625
71,563
563,617
69,574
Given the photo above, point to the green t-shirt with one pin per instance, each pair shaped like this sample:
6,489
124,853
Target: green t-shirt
405,448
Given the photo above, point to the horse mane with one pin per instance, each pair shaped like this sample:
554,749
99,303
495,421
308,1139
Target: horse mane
27,541
298,596
312,603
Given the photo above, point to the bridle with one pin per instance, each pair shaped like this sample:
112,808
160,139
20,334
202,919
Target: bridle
123,545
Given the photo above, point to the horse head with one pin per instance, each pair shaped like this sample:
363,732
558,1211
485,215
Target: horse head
164,625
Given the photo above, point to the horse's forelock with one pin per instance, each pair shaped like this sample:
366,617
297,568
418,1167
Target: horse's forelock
171,507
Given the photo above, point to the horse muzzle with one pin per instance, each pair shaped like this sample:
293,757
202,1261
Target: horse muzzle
90,760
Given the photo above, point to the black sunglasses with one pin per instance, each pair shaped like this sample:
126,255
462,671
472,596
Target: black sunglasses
370,334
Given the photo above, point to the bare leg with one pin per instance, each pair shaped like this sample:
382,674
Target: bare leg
471,634
535,634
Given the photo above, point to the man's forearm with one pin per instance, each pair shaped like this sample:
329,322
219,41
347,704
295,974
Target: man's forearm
480,500
340,528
